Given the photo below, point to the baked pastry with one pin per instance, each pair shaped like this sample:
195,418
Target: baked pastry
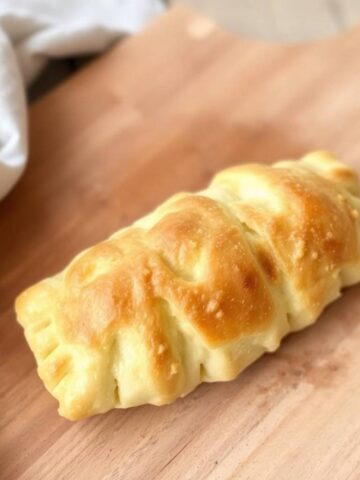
198,289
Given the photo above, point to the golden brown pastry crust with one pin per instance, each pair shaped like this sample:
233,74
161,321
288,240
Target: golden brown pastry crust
198,289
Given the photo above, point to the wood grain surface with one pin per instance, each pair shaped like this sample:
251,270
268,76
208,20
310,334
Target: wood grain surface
161,113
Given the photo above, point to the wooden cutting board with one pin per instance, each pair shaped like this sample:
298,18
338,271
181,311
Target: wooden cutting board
161,112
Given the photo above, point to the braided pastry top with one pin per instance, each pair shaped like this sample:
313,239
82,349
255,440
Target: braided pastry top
199,288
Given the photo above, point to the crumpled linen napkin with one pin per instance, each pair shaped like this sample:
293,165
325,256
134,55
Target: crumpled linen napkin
34,31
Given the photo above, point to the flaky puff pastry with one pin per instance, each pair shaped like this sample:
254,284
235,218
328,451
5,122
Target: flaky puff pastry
198,289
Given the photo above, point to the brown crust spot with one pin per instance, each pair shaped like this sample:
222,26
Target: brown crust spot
267,263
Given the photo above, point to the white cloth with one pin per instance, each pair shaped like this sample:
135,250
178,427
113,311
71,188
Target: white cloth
34,31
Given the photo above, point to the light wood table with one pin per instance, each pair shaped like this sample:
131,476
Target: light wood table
160,113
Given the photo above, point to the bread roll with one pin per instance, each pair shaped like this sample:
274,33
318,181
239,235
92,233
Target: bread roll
198,289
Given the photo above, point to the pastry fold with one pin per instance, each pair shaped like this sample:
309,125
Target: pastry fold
198,289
